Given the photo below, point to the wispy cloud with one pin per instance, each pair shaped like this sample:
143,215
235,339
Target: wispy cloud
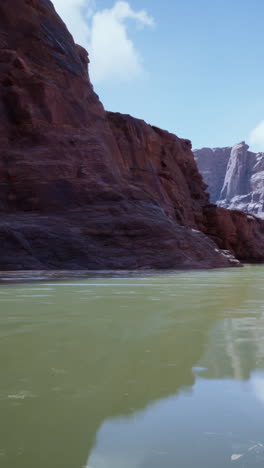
256,137
104,33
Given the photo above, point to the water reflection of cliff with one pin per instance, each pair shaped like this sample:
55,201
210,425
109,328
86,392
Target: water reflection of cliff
125,348
90,357
235,348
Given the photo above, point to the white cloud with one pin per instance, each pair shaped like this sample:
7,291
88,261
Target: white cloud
74,13
105,35
256,137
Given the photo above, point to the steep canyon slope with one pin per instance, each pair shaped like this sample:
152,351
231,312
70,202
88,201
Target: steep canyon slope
82,188
235,177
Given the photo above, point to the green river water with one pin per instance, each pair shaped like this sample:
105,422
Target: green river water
147,371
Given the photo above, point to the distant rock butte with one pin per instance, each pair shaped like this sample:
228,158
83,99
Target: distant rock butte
81,188
235,177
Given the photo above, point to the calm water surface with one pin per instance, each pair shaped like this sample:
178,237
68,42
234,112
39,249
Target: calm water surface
163,371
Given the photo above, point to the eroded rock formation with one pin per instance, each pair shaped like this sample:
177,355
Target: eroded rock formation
235,177
235,231
82,188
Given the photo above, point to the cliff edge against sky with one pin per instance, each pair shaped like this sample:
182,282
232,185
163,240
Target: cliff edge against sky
235,177
82,188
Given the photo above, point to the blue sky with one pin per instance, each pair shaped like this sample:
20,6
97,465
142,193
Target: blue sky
193,67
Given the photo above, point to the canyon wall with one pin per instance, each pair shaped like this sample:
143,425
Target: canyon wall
84,189
235,177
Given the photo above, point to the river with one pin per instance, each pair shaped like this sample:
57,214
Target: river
137,371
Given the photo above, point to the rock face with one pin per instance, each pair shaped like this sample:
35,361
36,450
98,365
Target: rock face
235,177
162,165
82,188
235,231
212,164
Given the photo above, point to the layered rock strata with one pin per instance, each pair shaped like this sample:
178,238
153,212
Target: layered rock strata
84,189
235,177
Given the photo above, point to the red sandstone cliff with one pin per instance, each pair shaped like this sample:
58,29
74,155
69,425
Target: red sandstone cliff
82,188
236,231
162,165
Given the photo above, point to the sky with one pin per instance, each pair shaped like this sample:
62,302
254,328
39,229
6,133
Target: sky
193,67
